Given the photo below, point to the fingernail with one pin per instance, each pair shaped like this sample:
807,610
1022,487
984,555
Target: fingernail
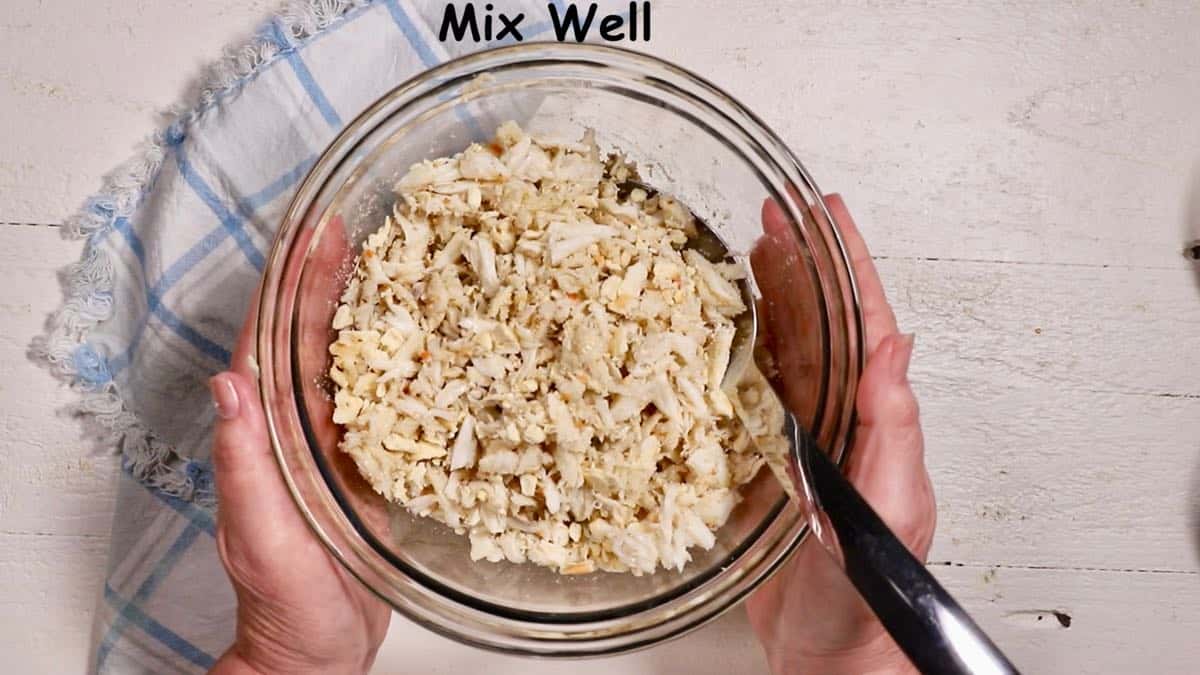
901,355
224,396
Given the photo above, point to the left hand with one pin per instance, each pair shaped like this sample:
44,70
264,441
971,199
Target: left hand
299,611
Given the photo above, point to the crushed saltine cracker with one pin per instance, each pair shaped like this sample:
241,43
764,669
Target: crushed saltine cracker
530,355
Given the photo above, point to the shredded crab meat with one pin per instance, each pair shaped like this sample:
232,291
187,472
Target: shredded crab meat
533,357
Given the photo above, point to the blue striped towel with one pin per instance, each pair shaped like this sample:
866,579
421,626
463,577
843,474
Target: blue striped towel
175,245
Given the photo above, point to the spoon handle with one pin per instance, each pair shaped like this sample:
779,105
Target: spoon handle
928,624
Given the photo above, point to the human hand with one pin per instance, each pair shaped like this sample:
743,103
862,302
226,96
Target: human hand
808,616
299,611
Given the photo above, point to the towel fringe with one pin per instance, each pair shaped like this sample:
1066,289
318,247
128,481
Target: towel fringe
88,284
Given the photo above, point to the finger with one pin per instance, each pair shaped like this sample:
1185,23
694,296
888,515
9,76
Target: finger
250,490
773,256
887,464
328,264
878,316
885,399
252,495
331,261
778,268
332,250
877,313
776,223
770,260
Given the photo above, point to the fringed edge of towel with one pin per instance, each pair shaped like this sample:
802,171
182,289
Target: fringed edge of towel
88,284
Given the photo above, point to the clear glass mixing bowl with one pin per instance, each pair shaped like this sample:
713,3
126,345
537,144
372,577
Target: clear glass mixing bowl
689,139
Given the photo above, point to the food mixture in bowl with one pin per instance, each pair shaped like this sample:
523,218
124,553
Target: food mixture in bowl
529,352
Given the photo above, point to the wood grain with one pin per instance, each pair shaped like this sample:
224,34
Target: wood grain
51,585
57,493
52,480
1021,131
82,83
1046,620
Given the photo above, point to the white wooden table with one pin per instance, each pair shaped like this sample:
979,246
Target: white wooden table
1025,175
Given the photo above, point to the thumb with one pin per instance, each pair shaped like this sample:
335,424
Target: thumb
252,496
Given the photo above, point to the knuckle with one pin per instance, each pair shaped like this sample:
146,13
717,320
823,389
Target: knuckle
916,524
915,528
903,409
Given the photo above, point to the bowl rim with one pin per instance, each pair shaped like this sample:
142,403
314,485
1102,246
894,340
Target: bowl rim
474,626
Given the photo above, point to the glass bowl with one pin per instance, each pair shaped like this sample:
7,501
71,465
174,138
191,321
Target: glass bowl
689,139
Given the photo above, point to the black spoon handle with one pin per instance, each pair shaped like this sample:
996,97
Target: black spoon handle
928,624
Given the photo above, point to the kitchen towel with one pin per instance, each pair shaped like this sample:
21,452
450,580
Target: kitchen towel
175,245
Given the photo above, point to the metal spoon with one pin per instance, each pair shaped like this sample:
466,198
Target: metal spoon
926,622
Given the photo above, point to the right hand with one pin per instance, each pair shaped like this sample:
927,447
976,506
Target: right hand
809,617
